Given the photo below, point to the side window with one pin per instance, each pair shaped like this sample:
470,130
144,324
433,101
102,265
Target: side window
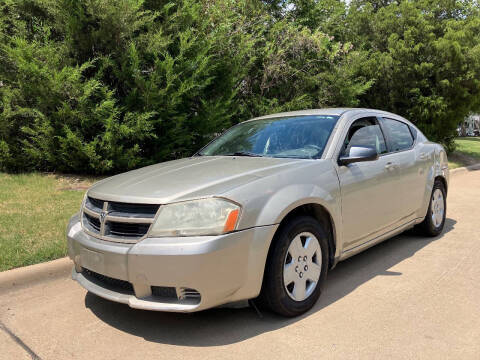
365,132
399,134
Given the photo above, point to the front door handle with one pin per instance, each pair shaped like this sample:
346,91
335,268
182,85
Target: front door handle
390,166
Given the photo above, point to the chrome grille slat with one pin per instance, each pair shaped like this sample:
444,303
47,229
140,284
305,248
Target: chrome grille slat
115,221
130,220
91,212
131,216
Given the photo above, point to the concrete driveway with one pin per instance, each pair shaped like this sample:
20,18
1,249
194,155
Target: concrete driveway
409,297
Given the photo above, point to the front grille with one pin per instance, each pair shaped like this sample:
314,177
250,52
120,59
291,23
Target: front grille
126,229
118,285
93,222
134,210
94,204
118,221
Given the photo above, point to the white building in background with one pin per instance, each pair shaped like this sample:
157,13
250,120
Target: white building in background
470,125
473,122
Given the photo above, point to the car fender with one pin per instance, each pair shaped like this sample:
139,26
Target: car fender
280,204
287,199
437,168
441,164
277,195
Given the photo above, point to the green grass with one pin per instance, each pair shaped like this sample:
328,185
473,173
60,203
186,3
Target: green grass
469,146
466,153
34,211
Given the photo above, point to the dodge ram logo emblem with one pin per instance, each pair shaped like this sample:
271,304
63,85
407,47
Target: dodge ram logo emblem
103,215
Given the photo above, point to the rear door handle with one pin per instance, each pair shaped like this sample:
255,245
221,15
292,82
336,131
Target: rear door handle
423,156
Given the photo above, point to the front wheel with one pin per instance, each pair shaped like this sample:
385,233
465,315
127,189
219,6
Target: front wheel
297,267
434,222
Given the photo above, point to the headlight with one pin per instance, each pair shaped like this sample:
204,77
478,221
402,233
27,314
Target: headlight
212,216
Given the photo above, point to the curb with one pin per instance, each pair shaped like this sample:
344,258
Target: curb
465,168
23,276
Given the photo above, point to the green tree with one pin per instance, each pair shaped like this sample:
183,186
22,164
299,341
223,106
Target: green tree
104,86
423,57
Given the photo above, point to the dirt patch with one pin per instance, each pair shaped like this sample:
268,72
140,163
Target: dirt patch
75,188
73,182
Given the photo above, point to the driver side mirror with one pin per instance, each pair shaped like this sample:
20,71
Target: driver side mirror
358,154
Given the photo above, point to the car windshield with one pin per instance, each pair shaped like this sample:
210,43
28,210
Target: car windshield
302,137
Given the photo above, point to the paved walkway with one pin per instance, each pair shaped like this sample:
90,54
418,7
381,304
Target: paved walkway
406,298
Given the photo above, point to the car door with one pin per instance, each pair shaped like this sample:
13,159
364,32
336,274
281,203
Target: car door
408,175
366,187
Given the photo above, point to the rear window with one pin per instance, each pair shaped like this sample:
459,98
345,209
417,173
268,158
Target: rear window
399,134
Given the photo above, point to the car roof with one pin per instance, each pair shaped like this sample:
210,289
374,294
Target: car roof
325,111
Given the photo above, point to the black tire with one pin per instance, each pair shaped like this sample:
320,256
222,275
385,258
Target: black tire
427,226
273,294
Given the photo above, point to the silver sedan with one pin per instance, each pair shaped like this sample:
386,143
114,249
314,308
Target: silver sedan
263,212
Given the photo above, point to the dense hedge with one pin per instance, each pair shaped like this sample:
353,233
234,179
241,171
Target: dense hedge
102,86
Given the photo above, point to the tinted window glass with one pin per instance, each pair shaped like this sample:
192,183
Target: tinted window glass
399,134
296,137
365,132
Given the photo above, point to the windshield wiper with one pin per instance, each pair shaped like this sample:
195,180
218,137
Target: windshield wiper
292,157
245,153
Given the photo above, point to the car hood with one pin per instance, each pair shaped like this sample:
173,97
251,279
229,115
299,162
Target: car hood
188,178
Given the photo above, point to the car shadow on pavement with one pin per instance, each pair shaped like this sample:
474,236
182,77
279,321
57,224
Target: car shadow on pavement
223,326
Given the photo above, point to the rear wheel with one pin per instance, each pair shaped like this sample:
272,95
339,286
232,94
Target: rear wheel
434,222
297,267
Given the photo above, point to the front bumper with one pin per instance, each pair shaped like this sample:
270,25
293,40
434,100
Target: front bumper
189,273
